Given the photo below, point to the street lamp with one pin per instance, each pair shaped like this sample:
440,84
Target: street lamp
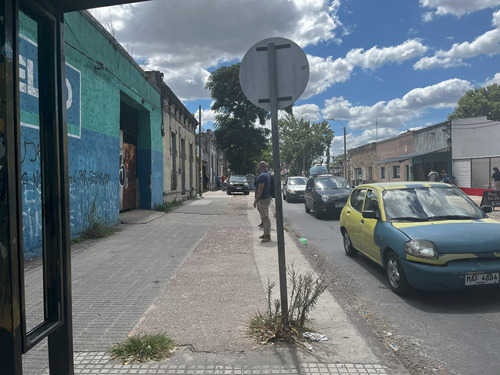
345,150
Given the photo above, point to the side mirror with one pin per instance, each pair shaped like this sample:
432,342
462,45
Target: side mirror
368,214
487,209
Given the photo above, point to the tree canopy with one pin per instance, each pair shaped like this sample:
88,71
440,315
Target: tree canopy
302,142
236,123
479,102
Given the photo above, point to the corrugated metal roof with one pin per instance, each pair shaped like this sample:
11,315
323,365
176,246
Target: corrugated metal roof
410,156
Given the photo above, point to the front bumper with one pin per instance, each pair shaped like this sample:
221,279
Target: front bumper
449,277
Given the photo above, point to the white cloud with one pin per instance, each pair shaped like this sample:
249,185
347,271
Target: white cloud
485,44
376,57
491,81
394,113
202,35
457,7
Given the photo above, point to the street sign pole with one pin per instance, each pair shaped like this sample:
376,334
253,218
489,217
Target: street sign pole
273,82
273,91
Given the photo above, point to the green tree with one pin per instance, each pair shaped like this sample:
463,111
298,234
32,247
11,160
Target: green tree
235,127
479,102
302,142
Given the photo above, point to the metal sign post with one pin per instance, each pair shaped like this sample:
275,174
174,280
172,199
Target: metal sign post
273,74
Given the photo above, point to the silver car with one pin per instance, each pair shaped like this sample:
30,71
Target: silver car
293,188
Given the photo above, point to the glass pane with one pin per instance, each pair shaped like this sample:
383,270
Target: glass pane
31,177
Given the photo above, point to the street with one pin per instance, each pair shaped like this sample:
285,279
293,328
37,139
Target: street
442,333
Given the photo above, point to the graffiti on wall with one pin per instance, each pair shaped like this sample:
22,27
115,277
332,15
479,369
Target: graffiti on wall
29,92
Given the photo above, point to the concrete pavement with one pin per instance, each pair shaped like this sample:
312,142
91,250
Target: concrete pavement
199,274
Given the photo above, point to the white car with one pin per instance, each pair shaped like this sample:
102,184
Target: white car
293,188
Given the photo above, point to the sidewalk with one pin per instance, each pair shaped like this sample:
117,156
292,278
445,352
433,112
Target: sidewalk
199,274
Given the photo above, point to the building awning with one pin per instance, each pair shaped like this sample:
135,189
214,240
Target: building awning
410,156
73,5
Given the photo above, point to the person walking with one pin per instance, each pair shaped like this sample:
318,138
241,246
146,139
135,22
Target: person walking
263,199
433,175
495,177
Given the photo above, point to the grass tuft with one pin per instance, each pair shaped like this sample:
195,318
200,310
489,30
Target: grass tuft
167,206
142,348
304,294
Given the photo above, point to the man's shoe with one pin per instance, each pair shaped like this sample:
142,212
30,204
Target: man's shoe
266,238
261,237
261,225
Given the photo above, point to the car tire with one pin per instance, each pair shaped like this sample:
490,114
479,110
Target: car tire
307,208
348,248
247,192
284,197
228,192
396,274
317,213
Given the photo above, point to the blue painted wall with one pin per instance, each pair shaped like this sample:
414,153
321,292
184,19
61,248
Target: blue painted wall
93,98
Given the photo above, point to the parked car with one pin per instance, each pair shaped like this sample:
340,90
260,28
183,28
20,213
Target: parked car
237,184
326,194
318,169
293,188
428,236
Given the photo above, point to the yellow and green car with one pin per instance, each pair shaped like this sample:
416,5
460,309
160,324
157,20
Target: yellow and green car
428,236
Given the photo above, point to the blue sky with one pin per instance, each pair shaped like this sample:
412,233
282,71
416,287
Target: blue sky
381,67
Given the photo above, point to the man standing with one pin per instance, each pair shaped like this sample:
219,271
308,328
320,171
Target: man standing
263,199
433,175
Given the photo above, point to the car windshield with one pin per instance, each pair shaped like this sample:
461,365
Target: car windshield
325,183
238,179
297,181
429,203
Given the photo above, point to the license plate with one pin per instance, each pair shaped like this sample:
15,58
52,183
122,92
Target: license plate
238,188
481,279
338,205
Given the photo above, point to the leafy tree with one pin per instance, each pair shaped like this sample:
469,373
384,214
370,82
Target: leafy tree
479,102
302,142
235,124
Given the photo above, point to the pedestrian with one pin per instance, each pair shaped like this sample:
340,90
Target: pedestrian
495,177
263,199
261,225
433,175
217,181
205,181
444,177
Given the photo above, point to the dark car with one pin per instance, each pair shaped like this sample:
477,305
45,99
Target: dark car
326,194
293,188
237,184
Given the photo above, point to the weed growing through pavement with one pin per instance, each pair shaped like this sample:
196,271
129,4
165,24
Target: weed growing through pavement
142,348
305,290
168,206
96,227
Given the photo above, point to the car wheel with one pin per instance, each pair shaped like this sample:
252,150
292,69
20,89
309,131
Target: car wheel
317,213
307,208
396,274
284,197
349,249
228,192
247,192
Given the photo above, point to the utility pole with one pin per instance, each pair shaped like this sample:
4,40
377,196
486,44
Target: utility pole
344,167
200,177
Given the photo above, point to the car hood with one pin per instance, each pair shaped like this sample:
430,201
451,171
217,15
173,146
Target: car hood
455,237
335,192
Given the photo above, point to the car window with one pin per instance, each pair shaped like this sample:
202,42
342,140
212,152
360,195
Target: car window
357,198
427,203
371,201
296,181
310,184
331,183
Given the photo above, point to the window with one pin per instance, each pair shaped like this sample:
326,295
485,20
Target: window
370,174
357,199
382,172
396,171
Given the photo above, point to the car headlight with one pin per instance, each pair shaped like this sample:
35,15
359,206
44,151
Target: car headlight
291,190
422,249
324,198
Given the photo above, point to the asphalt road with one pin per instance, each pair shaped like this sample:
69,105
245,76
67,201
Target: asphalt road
444,333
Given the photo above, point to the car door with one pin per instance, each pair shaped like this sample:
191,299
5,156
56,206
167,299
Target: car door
367,227
308,194
353,216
